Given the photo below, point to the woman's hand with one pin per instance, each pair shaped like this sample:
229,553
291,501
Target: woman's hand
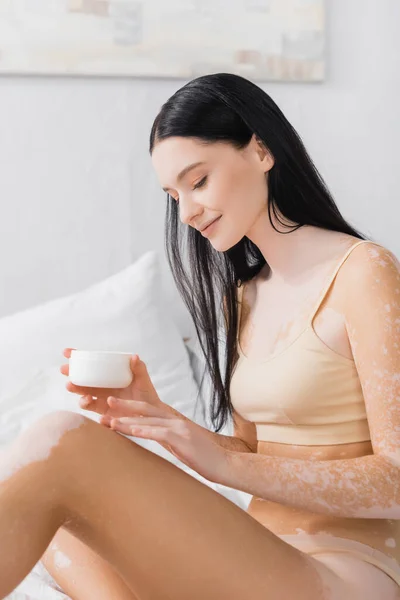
138,411
97,399
188,441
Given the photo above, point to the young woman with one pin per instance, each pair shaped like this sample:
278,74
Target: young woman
312,381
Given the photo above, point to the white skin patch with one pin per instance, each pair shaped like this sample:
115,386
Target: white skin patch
390,543
36,443
332,317
373,252
61,560
282,329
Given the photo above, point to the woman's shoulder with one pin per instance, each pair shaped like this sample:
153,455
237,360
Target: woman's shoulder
367,258
371,269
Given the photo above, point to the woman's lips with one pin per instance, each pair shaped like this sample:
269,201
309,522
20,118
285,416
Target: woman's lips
210,228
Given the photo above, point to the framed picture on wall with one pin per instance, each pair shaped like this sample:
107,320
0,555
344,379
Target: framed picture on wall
270,40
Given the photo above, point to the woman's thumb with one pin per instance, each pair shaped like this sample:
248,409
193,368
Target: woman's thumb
135,360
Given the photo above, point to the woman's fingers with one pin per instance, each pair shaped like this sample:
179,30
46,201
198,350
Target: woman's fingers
106,420
117,409
135,362
86,402
92,404
141,421
133,408
154,432
64,369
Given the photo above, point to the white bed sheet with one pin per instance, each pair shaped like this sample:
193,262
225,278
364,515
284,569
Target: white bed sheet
38,585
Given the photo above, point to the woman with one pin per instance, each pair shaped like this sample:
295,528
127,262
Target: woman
311,380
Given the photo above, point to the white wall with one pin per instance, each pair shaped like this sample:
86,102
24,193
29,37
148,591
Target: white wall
79,199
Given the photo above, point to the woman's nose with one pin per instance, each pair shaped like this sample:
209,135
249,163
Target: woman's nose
189,212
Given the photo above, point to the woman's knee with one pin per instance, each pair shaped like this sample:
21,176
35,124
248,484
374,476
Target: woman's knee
48,433
36,443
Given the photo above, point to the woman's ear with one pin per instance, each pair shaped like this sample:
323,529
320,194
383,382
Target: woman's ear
267,160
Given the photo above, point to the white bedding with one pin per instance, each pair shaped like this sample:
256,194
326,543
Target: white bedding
38,585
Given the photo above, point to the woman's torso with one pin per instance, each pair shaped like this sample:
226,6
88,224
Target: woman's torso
271,319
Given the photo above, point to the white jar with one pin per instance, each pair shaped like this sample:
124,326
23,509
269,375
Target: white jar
100,369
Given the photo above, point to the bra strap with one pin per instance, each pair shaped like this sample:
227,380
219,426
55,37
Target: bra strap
333,275
325,289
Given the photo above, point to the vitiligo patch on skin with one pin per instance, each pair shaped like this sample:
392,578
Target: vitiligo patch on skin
281,317
36,443
280,332
61,560
365,487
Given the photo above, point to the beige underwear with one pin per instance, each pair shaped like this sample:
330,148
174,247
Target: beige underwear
329,544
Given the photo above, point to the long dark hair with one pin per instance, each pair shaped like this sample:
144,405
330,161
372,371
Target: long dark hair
227,107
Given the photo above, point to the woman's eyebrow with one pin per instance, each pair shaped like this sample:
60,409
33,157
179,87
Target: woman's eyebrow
185,171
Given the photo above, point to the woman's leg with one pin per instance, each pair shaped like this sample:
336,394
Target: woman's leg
168,535
80,572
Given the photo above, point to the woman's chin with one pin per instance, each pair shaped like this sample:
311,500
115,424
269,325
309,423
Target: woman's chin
222,245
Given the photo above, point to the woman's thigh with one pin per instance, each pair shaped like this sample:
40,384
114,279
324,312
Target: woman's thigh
170,536
80,572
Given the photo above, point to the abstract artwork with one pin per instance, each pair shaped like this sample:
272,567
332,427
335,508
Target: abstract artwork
266,40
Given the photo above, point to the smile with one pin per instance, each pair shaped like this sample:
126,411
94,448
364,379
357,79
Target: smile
210,228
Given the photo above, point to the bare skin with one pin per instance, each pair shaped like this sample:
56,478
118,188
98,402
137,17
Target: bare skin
81,572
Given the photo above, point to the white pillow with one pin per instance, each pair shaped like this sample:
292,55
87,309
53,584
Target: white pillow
125,313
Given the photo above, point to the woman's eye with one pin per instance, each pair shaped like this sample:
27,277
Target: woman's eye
200,183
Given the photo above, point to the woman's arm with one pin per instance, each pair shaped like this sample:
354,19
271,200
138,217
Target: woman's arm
369,486
366,487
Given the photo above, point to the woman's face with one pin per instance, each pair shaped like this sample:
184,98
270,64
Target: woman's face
225,182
